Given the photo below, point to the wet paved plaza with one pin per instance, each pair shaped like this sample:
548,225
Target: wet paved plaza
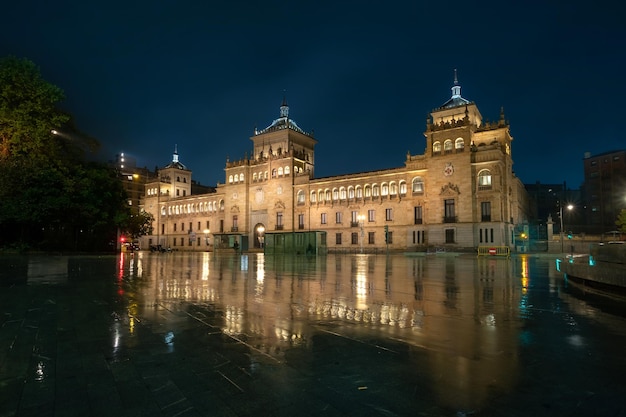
195,334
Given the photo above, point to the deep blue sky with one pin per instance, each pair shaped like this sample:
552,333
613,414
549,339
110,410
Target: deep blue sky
142,76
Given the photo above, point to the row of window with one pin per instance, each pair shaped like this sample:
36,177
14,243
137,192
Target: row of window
448,145
357,220
263,176
375,190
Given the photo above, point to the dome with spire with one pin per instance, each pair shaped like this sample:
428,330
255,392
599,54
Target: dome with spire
283,122
175,162
455,100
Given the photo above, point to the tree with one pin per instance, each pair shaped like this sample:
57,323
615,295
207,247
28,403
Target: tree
621,221
138,224
50,196
28,111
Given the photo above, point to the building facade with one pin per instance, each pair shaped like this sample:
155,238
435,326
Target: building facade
461,193
604,190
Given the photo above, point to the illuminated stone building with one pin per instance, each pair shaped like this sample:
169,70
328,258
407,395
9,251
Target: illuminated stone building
460,193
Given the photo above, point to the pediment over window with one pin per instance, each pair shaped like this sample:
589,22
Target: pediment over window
279,204
234,209
450,190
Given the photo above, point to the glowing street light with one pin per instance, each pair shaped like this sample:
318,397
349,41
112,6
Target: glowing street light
206,236
361,219
569,207
261,230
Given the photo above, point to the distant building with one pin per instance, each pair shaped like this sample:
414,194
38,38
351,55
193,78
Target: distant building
546,201
460,193
604,190
133,179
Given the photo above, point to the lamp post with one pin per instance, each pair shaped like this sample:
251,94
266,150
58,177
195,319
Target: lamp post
569,207
361,219
261,230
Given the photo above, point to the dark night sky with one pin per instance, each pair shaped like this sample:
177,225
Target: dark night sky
144,76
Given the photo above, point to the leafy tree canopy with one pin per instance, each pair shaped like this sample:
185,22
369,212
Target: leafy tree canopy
28,112
621,221
50,196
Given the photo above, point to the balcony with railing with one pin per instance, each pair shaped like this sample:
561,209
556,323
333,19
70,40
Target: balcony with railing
449,219
279,227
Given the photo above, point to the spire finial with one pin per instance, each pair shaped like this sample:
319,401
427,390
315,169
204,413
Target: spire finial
175,156
284,108
456,88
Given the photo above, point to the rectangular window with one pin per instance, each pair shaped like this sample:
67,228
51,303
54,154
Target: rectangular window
323,218
449,211
175,226
389,214
221,225
301,221
389,237
207,224
338,217
162,229
491,235
198,226
371,238
182,226
323,239
190,228
418,237
417,215
480,233
338,238
279,221
449,235
354,216
371,216
355,238
485,211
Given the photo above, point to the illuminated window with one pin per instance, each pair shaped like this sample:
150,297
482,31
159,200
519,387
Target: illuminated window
300,197
484,180
286,170
342,193
437,147
384,189
447,146
418,185
459,144
313,196
375,191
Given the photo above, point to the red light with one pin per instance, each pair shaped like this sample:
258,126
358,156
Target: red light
123,239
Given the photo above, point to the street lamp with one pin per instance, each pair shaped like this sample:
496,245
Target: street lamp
569,207
206,236
361,219
260,230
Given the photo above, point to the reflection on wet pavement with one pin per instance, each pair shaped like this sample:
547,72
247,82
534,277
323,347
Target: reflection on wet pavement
200,334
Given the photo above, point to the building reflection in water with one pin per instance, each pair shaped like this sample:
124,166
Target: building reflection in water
462,313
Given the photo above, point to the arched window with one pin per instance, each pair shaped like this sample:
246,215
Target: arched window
384,189
335,194
342,193
280,171
313,196
375,190
320,194
447,146
459,144
300,197
254,177
437,147
393,188
350,193
163,211
359,192
418,185
402,188
327,195
287,170
241,177
484,180
274,173
368,191
221,205
230,179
